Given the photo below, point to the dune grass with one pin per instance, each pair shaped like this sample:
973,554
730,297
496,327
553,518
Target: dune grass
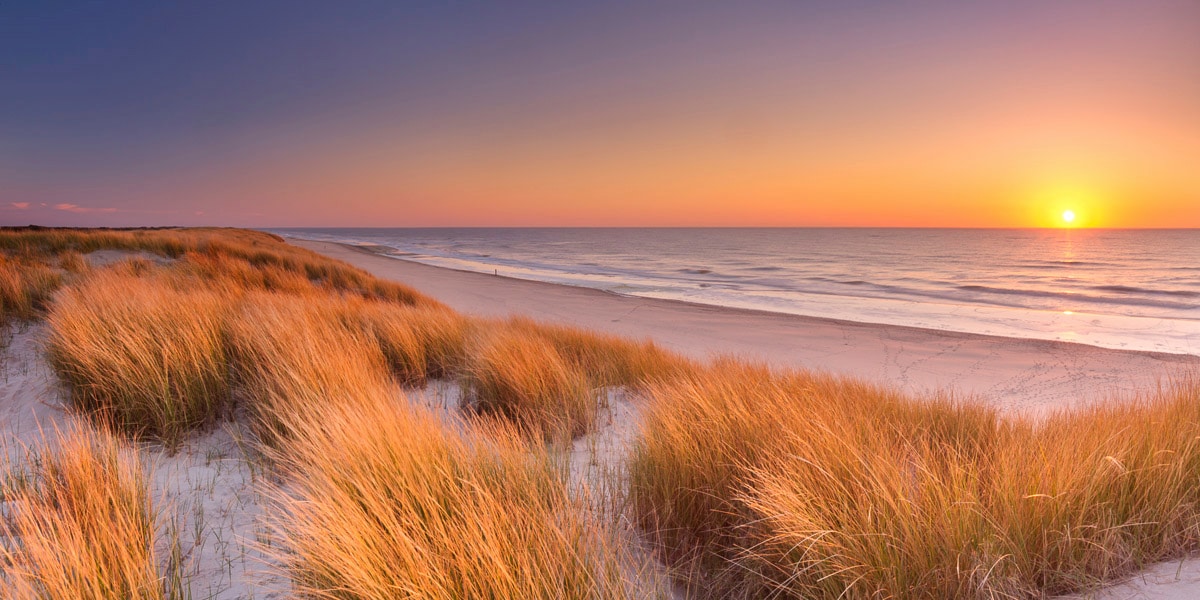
241,258
78,524
25,288
606,360
520,377
807,486
141,356
294,354
419,343
378,499
749,482
142,347
382,502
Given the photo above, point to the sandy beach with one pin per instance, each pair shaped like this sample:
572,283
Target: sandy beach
1019,376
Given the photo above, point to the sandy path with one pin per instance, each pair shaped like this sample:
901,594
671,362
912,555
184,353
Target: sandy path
1017,375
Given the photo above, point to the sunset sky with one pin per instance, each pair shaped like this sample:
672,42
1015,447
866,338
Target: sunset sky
594,114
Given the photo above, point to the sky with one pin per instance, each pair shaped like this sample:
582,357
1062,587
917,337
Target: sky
393,114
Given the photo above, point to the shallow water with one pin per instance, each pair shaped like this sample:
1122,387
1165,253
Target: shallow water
1131,289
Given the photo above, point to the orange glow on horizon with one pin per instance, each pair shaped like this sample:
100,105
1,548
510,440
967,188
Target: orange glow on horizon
1006,124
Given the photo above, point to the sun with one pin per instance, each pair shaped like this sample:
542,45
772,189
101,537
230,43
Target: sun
1066,206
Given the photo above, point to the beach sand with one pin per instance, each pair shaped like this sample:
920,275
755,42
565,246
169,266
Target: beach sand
1019,376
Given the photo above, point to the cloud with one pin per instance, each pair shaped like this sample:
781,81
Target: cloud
19,205
75,208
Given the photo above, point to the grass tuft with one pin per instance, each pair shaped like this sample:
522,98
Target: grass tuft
807,486
522,378
294,354
419,343
78,524
141,356
25,288
608,360
383,502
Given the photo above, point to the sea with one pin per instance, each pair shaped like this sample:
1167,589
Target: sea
1123,289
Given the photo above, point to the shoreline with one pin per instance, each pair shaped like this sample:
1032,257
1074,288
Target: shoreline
1035,290
1024,376
370,249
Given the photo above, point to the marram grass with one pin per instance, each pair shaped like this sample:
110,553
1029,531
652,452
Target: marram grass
141,356
78,523
806,486
519,376
381,501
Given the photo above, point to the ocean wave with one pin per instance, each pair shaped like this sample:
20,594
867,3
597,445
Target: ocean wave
1078,297
1066,264
1128,289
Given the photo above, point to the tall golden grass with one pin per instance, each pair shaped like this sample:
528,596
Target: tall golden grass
79,524
523,379
420,343
25,288
45,241
806,486
140,355
607,360
294,354
261,260
381,502
143,347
